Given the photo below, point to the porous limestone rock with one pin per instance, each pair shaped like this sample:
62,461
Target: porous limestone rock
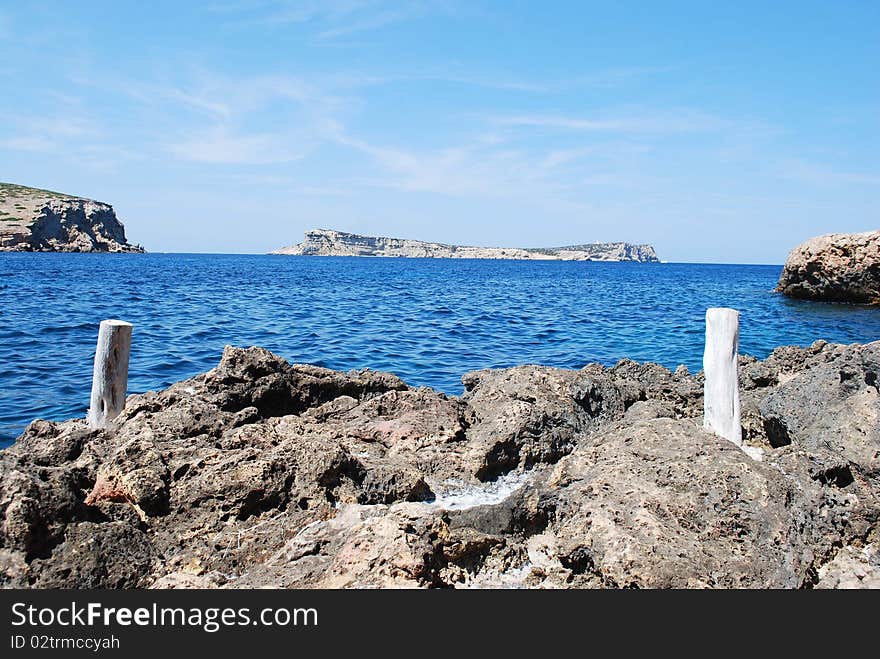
839,267
260,473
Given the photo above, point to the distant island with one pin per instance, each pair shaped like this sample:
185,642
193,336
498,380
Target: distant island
325,242
34,220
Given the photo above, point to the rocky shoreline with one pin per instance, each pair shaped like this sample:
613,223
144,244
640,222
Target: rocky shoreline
33,220
264,474
325,242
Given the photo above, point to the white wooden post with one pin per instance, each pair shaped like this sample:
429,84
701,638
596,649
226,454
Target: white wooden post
721,413
110,379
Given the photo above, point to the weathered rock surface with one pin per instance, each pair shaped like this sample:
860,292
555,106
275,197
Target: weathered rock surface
264,474
834,406
852,568
839,267
324,242
33,220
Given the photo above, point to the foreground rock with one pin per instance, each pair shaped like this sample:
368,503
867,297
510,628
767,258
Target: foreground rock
264,474
33,220
323,242
839,267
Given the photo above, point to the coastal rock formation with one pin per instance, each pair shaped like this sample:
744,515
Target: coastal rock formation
840,267
264,474
323,242
33,220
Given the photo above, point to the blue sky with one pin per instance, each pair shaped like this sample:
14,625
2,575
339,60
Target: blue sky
717,131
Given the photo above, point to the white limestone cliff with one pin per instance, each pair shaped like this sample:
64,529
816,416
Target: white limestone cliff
324,242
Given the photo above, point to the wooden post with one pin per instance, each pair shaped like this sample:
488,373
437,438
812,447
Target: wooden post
721,412
110,379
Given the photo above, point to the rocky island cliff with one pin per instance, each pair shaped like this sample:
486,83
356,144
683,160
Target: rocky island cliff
260,473
33,220
839,267
325,242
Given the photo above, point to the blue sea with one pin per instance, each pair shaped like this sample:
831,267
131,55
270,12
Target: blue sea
427,320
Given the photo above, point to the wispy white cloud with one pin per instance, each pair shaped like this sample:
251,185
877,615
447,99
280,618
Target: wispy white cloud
647,121
219,147
197,102
819,174
300,11
479,169
561,157
612,76
457,74
331,19
222,97
373,22
599,79
216,119
33,143
68,129
60,126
